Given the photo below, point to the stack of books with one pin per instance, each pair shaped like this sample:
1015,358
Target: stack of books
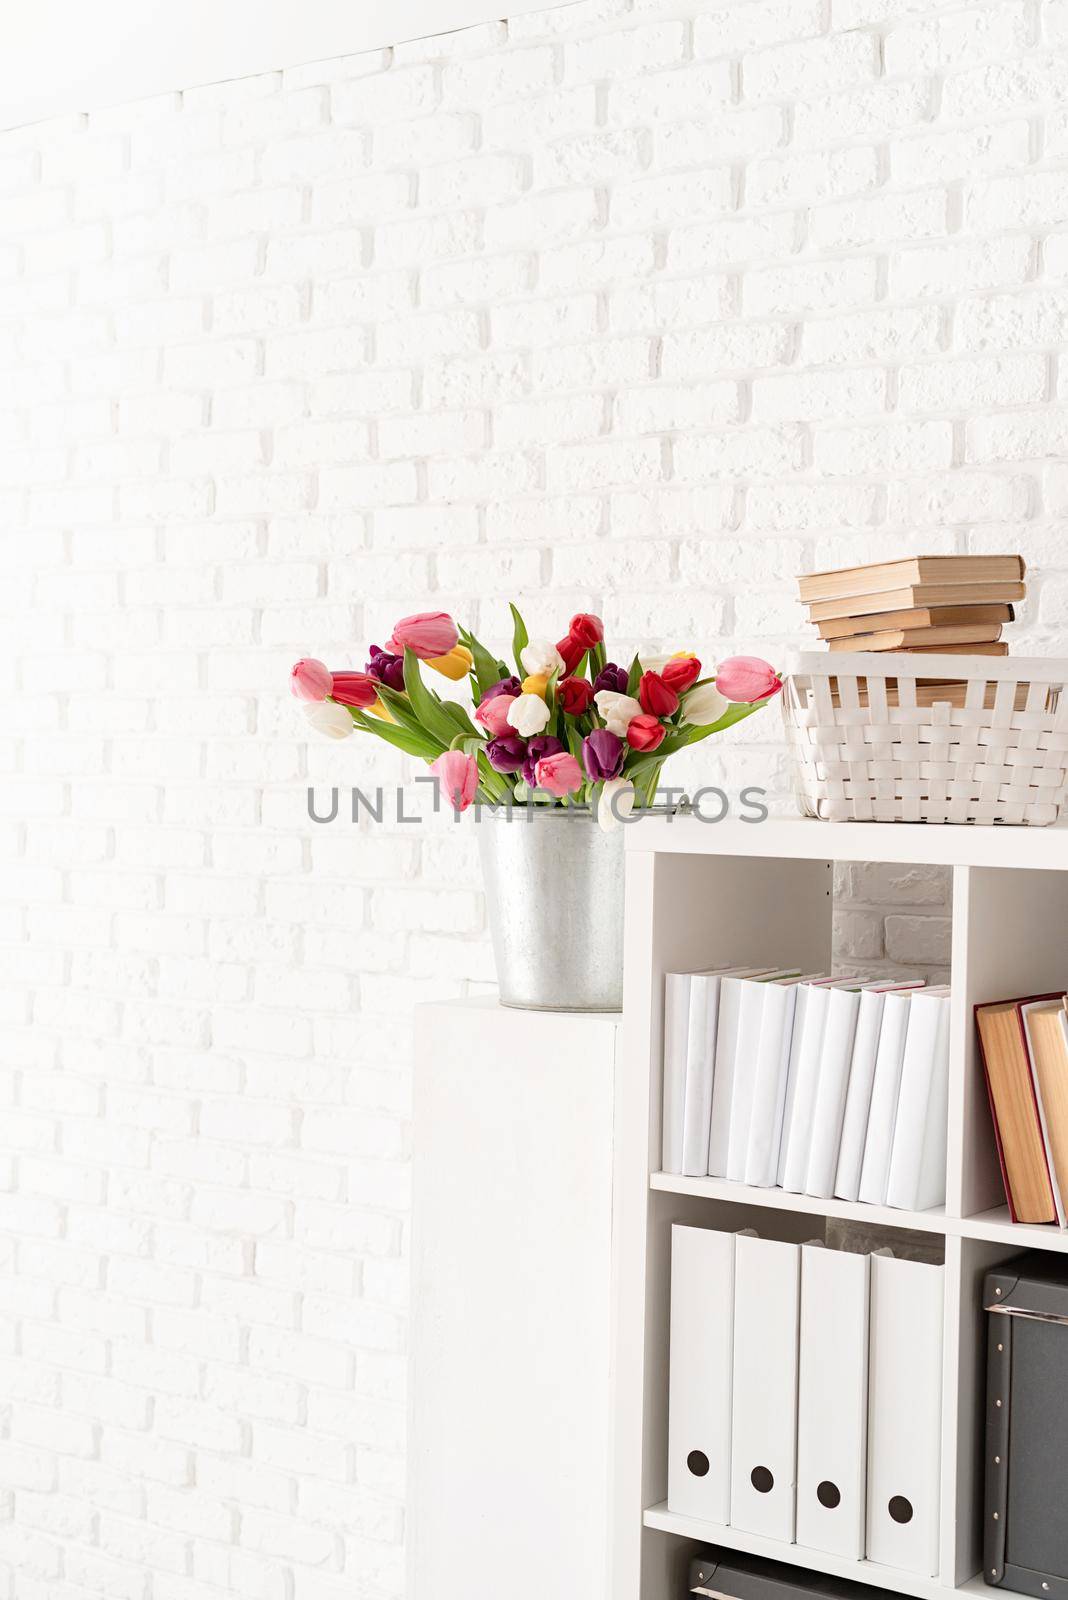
950,605
816,1085
1024,1045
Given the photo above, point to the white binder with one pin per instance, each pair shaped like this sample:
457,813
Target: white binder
746,1049
917,1177
843,1006
861,1080
804,1079
699,1383
764,1419
730,995
832,1401
905,1414
676,1029
882,1112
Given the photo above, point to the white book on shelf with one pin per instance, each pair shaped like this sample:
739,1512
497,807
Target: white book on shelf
916,1180
699,1373
882,1112
730,994
746,1050
764,1413
770,1077
828,1102
832,1401
905,1414
676,1034
700,1065
859,1088
804,1077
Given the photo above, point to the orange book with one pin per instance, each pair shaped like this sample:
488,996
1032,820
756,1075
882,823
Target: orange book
1014,1109
914,597
879,576
918,617
965,636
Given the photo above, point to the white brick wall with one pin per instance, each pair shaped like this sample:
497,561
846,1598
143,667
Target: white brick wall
636,305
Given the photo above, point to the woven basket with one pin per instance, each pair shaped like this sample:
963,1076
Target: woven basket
872,742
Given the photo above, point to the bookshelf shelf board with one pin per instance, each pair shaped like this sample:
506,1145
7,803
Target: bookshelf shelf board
933,1221
907,1583
997,1226
804,839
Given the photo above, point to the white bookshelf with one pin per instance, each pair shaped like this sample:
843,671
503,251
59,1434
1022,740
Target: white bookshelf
700,894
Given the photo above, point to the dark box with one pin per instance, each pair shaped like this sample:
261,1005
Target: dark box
1025,1544
745,1577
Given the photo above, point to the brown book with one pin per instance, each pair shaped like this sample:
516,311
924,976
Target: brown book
1046,1024
879,576
923,617
965,634
914,596
1014,1109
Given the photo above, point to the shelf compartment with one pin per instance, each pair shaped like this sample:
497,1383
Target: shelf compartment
907,1583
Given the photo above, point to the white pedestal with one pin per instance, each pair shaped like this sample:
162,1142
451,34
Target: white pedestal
511,1303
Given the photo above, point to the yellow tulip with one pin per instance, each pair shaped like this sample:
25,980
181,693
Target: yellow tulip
537,683
380,709
456,665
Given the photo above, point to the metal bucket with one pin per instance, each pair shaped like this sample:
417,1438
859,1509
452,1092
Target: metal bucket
554,892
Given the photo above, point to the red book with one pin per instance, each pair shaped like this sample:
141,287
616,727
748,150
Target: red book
1010,1086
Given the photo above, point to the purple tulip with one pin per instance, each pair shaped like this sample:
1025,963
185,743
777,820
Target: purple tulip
507,753
603,754
386,668
544,744
611,677
510,686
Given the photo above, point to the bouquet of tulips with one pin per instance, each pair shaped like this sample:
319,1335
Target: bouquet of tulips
567,727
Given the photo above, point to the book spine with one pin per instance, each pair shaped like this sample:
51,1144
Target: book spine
994,1120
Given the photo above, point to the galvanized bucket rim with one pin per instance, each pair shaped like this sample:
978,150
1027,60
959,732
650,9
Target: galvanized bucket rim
505,813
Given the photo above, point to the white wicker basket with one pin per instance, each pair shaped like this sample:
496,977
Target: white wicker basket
866,748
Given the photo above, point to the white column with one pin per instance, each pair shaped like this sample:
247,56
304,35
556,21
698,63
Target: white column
511,1303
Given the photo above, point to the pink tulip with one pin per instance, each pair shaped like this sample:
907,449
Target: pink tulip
745,679
428,634
493,715
310,680
560,774
458,776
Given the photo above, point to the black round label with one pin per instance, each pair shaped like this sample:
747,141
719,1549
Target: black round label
762,1480
900,1508
697,1462
828,1494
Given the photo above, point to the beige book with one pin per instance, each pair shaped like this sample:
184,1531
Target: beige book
1047,1033
1017,1126
966,634
879,576
921,617
915,595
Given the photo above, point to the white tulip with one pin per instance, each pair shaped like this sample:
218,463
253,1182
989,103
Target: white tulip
528,714
615,804
618,710
326,716
703,706
541,658
652,660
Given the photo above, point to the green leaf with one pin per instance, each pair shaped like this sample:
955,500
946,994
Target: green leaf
401,738
486,673
520,639
597,659
634,676
432,717
453,709
400,707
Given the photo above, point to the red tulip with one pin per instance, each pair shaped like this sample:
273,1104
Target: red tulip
588,629
572,651
645,733
655,696
354,689
574,695
680,672
745,679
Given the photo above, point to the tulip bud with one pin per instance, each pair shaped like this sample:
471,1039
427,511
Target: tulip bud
541,658
574,696
458,775
310,679
354,689
645,733
559,774
528,714
680,672
703,706
537,683
603,754
507,753
587,629
546,744
456,664
655,696
329,718
428,635
615,804
745,679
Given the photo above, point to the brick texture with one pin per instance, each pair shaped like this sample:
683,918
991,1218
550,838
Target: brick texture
640,306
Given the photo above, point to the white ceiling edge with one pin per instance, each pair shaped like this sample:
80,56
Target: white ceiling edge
65,56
